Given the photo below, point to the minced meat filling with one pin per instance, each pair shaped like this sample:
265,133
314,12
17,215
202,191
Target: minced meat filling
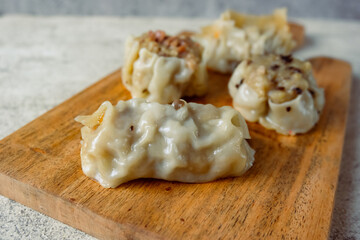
180,46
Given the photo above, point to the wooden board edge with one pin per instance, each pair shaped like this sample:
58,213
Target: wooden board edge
349,83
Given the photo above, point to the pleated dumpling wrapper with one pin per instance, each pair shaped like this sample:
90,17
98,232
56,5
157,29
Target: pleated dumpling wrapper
184,142
235,37
163,68
278,91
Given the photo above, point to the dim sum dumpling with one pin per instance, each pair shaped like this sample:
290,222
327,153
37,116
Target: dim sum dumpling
184,142
163,68
235,37
278,91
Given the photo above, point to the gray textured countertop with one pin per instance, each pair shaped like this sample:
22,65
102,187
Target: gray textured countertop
45,60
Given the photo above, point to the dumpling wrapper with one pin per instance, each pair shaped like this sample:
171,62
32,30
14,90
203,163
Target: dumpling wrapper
280,95
184,142
235,37
162,78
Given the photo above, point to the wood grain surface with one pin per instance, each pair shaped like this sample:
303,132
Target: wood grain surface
288,193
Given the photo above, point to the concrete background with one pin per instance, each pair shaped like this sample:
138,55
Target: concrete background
336,9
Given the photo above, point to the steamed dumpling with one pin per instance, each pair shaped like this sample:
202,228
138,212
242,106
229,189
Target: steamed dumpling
278,91
186,142
163,68
235,37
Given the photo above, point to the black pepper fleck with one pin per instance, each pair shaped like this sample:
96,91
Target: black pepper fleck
274,67
131,128
239,84
298,90
294,69
286,58
288,109
280,88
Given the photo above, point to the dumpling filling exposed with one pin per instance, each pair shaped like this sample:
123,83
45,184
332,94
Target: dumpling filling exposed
235,37
163,68
278,91
184,142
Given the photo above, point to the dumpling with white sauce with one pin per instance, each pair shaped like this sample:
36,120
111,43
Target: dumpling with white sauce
277,91
163,68
186,142
235,37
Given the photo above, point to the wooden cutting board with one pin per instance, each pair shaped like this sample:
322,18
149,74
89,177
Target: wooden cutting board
288,193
